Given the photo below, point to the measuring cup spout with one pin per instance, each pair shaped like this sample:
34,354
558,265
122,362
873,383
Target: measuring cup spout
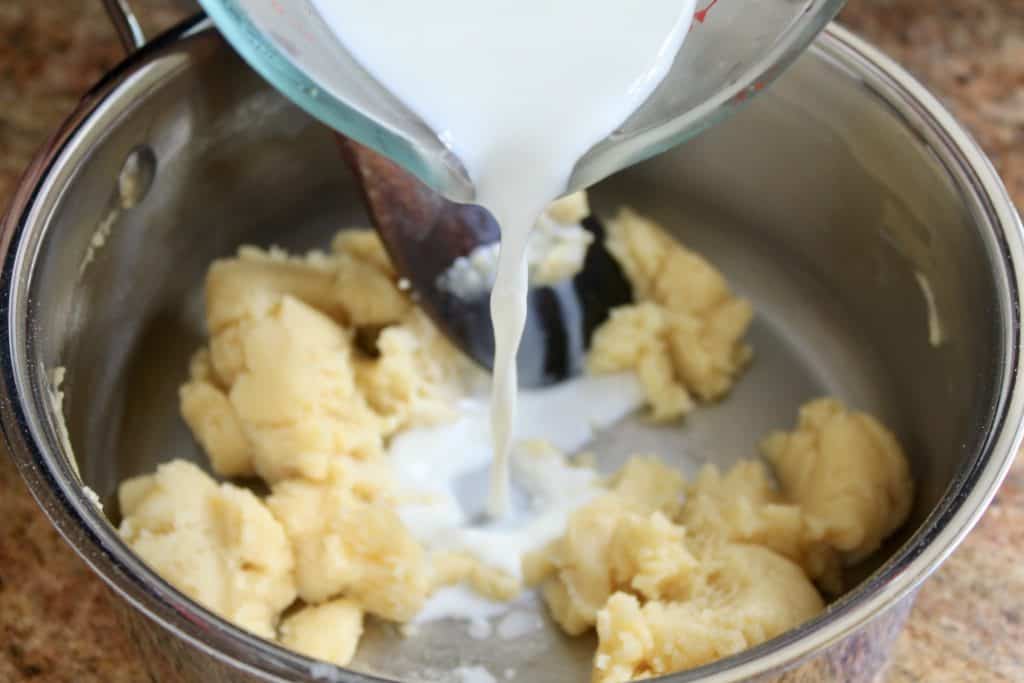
734,50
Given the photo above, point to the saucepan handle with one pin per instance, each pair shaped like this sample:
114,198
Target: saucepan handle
129,30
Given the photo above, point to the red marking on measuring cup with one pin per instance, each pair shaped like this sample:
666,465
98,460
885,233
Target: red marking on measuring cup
702,14
742,95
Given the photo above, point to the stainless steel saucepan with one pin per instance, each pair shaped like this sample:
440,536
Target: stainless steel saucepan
878,245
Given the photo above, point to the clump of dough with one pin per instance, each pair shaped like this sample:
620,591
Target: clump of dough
646,484
208,412
684,334
366,246
283,389
293,392
675,576
747,595
247,287
329,631
451,569
847,473
558,245
743,505
570,209
218,544
410,383
313,363
620,541
366,284
662,599
348,541
355,283
844,486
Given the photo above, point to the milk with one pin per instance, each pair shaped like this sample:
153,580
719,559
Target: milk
435,465
438,463
519,90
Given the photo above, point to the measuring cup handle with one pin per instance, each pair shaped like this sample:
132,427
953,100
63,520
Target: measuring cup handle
129,30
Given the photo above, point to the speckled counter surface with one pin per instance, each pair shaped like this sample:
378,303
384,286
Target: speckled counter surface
56,621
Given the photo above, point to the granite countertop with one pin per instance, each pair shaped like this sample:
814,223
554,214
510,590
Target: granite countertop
56,619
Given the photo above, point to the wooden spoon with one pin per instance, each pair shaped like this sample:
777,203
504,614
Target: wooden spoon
424,233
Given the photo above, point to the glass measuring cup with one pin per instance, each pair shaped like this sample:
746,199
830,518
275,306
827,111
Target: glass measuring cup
734,50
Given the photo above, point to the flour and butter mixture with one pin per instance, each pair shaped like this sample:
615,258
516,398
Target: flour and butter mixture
321,378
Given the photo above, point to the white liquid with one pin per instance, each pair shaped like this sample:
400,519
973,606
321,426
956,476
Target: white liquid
443,462
461,603
474,674
480,629
520,90
438,462
515,625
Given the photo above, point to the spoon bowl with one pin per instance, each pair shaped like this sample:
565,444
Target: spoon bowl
424,233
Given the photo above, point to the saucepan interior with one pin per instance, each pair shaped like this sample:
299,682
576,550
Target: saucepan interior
873,247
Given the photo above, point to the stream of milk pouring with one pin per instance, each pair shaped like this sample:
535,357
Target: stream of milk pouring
520,90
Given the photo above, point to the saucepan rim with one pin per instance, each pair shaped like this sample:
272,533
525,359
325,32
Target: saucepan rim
38,455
